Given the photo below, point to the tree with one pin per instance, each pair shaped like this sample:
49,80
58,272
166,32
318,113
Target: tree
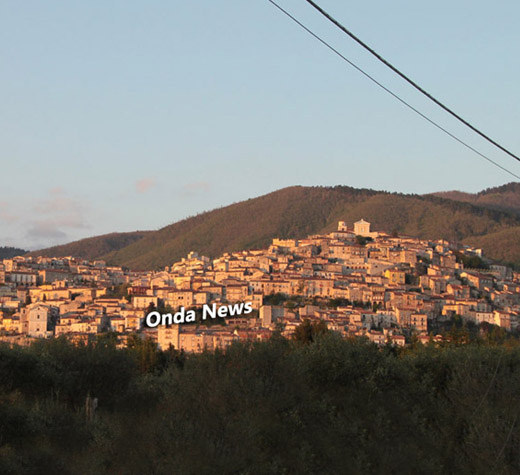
275,299
361,240
145,351
307,331
118,291
471,262
107,339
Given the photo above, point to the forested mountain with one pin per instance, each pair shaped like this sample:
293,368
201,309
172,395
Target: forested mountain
298,211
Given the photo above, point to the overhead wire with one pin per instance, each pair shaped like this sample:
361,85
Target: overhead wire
410,81
389,91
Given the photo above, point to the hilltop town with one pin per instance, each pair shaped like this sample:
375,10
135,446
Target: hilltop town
357,281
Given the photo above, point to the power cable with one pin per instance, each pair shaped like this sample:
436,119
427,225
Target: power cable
408,80
375,81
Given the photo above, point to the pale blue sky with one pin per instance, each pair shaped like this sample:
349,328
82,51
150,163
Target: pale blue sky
124,115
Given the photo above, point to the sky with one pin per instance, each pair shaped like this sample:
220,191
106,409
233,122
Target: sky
124,115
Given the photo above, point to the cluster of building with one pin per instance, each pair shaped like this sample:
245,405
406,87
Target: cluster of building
359,282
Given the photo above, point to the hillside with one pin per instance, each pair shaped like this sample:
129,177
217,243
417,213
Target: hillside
299,211
290,212
94,247
503,245
506,197
9,252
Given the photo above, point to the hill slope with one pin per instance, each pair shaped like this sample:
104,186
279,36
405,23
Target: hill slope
94,247
503,245
299,211
506,197
290,212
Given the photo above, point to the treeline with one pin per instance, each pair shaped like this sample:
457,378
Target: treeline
7,252
329,406
94,247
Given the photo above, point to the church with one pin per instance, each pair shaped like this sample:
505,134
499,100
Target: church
361,228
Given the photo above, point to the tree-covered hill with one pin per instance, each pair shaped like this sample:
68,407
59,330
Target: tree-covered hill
94,247
299,211
503,245
295,212
505,197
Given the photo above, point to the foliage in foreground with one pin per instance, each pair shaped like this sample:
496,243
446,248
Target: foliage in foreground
330,406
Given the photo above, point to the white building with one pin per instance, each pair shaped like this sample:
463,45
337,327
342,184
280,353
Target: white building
39,321
362,228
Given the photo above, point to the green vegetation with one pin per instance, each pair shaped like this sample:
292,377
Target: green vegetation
471,262
328,406
293,301
458,331
308,331
10,252
276,299
118,292
362,240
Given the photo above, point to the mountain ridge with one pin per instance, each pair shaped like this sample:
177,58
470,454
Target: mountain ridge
297,211
505,197
92,247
